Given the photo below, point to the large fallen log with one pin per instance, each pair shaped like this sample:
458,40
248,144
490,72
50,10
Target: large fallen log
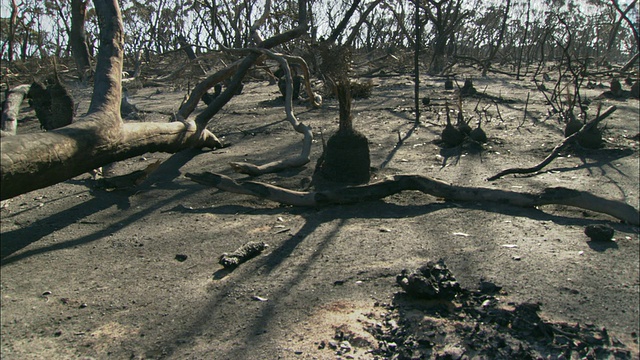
33,161
440,189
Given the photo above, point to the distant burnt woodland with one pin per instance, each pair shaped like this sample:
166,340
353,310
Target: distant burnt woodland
512,35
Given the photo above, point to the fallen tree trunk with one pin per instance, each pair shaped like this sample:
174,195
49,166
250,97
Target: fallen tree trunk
33,161
399,183
15,97
51,157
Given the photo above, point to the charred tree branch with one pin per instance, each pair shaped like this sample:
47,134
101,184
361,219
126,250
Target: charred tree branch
399,183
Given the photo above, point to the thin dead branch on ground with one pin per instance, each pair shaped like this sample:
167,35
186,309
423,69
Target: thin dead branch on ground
568,140
398,183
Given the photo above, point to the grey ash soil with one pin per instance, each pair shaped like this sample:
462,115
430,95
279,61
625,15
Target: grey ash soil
91,273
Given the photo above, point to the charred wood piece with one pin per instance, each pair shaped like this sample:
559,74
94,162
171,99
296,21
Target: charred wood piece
242,254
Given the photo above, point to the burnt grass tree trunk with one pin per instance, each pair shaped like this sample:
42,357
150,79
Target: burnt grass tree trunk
346,156
52,102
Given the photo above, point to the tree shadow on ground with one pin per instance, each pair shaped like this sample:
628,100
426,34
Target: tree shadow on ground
248,336
15,240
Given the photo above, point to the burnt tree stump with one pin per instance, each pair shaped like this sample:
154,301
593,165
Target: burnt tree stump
52,103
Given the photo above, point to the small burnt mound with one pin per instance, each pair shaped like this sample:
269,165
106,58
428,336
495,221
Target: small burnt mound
431,281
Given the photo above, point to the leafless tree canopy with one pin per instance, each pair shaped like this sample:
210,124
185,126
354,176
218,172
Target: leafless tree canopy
603,29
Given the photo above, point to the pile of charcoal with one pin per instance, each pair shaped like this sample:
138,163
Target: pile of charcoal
435,318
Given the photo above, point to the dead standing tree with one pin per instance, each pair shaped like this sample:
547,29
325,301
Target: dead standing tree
446,17
78,38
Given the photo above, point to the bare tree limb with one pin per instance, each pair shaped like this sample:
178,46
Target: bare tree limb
304,157
399,183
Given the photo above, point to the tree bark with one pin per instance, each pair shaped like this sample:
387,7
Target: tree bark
78,39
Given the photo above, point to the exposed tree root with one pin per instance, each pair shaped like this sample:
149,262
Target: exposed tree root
399,183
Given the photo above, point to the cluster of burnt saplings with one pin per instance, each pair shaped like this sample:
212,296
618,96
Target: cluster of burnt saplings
455,135
565,104
593,137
